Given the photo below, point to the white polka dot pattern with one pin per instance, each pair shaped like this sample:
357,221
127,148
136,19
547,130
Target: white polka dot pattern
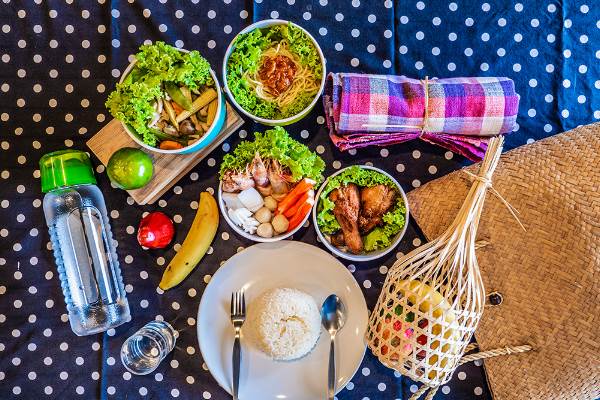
63,60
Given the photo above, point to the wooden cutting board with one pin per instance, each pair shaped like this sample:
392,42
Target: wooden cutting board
168,168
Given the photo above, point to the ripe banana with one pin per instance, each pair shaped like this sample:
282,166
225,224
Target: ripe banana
196,243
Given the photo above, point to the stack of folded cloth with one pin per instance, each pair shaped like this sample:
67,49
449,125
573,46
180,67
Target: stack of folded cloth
459,114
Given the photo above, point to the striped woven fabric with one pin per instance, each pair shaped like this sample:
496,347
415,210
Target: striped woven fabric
363,110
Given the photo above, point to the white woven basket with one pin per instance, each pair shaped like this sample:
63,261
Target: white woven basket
433,297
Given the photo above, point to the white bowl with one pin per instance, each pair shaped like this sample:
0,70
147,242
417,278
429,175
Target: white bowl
199,144
273,122
247,235
366,256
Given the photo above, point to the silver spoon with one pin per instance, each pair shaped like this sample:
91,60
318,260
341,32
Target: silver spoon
333,317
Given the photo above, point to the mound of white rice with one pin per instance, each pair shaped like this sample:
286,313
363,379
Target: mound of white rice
284,323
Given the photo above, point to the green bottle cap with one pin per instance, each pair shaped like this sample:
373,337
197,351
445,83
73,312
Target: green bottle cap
65,168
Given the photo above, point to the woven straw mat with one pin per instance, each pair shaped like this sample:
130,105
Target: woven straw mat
549,276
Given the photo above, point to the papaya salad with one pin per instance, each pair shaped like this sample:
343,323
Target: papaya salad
268,184
168,99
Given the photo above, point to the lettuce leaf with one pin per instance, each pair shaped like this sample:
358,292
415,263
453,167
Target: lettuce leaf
301,45
302,101
132,104
132,100
276,144
394,220
375,239
163,62
158,57
325,219
246,58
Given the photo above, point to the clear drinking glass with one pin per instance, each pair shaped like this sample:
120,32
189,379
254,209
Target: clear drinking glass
144,350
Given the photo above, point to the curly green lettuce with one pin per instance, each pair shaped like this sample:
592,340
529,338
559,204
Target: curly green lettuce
246,56
132,104
393,220
276,144
301,45
132,100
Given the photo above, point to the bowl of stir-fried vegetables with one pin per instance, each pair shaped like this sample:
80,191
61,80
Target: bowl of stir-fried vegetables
169,100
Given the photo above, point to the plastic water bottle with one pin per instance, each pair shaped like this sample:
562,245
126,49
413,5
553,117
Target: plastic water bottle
82,241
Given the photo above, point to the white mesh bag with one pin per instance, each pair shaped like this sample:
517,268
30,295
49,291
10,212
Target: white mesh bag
433,297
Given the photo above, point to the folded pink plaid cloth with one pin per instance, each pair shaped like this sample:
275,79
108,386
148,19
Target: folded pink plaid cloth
462,113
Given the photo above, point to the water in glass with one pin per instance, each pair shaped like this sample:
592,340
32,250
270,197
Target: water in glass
144,350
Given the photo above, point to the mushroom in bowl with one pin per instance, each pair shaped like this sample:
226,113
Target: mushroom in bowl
267,186
361,213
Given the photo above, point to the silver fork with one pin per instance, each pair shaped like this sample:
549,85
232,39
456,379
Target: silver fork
238,316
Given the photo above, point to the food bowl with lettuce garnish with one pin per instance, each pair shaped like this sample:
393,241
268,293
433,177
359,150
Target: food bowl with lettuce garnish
274,72
361,213
267,186
169,100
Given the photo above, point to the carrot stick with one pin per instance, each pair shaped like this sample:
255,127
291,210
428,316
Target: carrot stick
290,212
176,107
170,145
292,197
299,216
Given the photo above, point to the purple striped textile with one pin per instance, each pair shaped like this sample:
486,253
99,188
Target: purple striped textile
462,112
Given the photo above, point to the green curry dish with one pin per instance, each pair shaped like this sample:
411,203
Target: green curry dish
276,144
393,220
246,57
132,101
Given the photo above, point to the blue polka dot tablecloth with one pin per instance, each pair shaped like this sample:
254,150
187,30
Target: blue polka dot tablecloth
61,58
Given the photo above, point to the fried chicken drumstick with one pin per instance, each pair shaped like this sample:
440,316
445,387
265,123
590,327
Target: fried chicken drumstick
346,209
374,201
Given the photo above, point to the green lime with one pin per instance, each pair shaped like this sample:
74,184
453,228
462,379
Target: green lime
129,168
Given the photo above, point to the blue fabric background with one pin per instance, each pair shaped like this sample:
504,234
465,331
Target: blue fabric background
59,60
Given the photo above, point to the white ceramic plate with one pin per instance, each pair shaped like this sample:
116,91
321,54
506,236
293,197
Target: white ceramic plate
266,266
